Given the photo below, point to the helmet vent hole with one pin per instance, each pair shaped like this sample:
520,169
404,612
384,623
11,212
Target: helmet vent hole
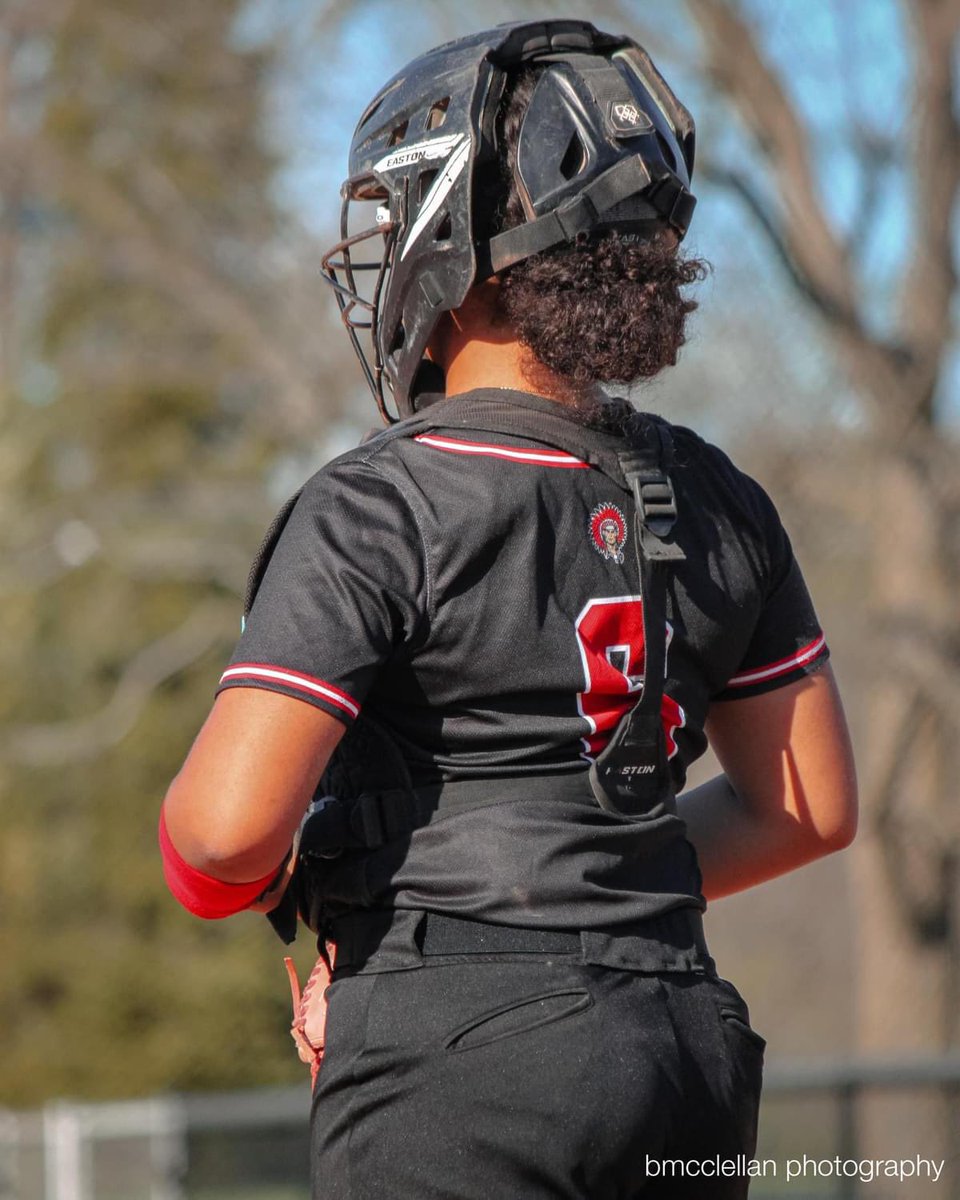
444,229
398,133
666,150
424,183
574,158
369,113
399,337
438,113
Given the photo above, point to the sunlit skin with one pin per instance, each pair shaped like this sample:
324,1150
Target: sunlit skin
788,795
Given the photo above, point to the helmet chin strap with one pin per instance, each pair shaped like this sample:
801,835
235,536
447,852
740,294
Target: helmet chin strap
429,385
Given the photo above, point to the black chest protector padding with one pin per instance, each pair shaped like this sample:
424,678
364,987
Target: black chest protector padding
631,776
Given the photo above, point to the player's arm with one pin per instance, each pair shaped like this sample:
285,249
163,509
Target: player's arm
789,792
232,811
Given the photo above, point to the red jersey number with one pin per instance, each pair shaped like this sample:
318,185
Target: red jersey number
610,636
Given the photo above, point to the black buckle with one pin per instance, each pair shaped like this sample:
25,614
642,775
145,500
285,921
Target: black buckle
576,216
323,832
657,504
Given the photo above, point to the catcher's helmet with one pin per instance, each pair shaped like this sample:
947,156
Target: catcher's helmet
604,144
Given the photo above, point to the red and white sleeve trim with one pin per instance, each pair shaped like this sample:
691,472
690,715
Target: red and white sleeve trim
540,458
783,666
257,672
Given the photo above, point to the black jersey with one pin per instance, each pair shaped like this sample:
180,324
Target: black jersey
478,594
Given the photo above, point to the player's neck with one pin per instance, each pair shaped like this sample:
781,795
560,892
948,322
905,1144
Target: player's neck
481,364
477,349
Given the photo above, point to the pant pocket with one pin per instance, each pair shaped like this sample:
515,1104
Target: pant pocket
736,1015
744,1049
519,1016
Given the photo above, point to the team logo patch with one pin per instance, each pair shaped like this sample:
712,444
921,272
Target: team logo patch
608,531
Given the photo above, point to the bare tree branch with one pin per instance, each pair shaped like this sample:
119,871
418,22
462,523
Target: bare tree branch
901,375
327,20
769,223
934,669
10,200
187,278
142,557
734,61
935,148
84,739
31,17
872,364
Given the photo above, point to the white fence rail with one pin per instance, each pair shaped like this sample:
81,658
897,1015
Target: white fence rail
253,1145
139,1149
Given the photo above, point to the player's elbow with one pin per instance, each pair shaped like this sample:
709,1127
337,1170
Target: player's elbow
202,838
832,823
842,831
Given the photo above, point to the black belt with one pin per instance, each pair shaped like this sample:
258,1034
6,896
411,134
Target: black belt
443,934
403,939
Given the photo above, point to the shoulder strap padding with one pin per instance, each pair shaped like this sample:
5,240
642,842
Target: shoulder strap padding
631,775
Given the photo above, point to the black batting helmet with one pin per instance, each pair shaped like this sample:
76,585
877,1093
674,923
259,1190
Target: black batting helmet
604,144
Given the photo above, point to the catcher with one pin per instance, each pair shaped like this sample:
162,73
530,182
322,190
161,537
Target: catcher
484,647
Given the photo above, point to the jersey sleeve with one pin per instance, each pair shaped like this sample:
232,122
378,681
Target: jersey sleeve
343,591
787,642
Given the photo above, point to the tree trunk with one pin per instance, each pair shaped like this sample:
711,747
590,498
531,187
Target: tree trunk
904,861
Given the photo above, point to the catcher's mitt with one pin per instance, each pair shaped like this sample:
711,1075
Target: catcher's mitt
310,1008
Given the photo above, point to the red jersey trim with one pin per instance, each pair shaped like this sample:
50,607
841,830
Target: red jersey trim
540,458
294,679
783,666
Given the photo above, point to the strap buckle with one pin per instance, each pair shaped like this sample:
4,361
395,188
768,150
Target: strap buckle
576,216
656,504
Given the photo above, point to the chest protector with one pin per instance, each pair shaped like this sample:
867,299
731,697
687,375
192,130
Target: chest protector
366,797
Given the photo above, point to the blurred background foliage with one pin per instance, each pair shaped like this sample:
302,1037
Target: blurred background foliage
170,368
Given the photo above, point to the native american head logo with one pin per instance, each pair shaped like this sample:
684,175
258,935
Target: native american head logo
608,531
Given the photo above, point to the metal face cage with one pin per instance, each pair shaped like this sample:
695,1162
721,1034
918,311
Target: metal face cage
350,278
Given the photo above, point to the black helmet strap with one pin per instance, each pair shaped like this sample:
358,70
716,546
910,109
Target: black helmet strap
664,199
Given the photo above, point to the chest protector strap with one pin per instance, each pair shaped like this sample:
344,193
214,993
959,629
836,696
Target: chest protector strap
631,776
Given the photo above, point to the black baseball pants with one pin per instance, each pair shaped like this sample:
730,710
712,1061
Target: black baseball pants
534,1077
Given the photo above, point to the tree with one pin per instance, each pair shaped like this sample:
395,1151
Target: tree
906,859
151,376
895,484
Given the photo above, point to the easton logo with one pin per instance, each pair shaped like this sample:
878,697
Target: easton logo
434,148
608,532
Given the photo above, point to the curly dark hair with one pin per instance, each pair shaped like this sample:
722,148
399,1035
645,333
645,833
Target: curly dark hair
606,308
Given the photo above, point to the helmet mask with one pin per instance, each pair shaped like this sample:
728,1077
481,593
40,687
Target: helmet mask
603,144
